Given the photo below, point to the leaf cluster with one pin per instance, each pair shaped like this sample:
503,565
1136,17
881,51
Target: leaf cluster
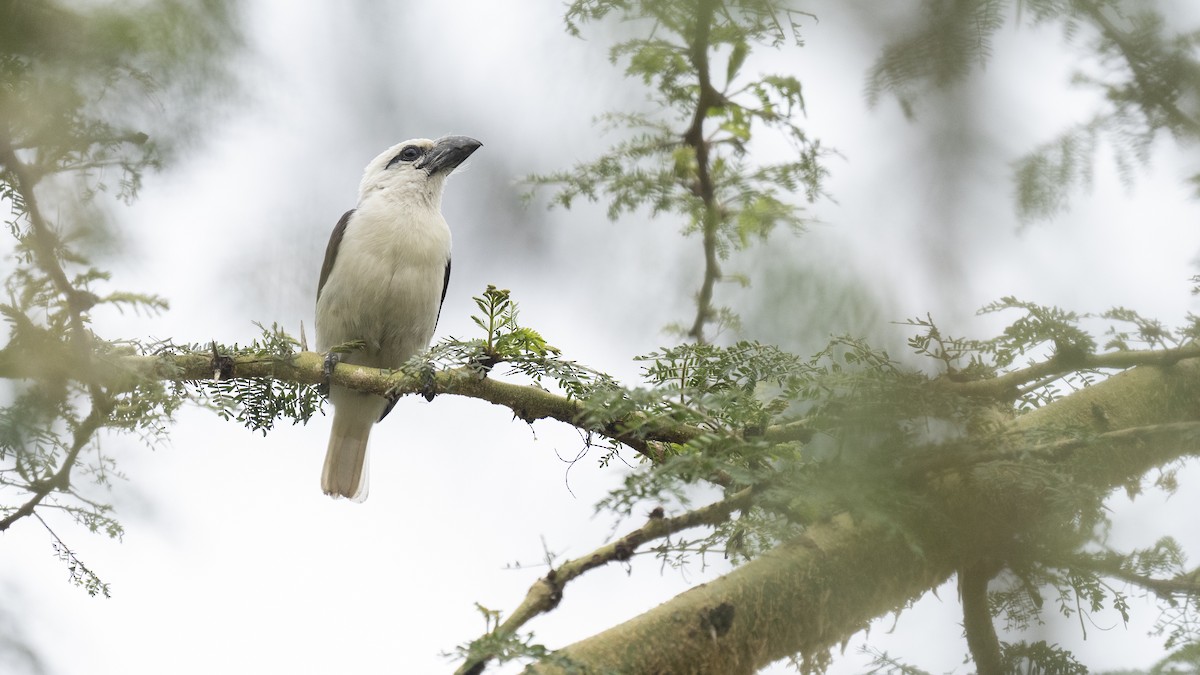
257,403
506,341
1146,74
690,155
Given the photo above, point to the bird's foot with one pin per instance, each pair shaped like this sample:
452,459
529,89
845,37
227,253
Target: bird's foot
428,382
331,361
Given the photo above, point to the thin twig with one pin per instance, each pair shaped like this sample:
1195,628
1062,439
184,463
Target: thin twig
61,480
694,136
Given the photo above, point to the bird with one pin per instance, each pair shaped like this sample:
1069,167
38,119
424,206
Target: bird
382,285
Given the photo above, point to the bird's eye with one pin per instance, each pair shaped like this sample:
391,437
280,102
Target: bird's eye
408,154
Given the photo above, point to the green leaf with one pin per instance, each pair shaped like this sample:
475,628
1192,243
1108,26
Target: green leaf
736,59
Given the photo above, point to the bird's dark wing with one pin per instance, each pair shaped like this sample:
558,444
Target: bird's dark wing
331,251
445,285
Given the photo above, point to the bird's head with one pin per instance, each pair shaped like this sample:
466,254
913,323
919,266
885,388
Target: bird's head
416,169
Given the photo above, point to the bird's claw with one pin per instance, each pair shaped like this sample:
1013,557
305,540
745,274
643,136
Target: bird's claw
428,384
331,361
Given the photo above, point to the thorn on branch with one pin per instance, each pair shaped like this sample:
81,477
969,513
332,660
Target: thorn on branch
221,364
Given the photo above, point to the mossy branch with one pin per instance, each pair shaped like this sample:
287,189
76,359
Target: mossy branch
527,402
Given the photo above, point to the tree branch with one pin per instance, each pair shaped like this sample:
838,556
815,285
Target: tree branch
780,603
801,597
1149,94
528,403
61,480
546,593
1006,386
977,618
694,137
1183,585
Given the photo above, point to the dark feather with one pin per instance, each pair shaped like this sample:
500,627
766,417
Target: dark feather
331,251
391,403
445,285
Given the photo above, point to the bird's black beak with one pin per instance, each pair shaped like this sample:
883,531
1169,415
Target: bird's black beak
447,153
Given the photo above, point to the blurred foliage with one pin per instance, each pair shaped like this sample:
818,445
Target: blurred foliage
92,96
1147,74
688,154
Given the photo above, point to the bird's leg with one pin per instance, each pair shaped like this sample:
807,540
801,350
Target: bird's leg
428,383
331,361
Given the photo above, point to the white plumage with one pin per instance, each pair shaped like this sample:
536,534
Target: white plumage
382,283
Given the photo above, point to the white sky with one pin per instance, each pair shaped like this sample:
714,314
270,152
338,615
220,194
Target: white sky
235,562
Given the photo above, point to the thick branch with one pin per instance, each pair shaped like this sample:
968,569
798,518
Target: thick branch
546,593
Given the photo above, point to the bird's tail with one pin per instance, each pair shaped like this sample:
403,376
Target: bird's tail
345,472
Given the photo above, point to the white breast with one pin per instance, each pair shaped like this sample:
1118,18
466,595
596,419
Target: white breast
385,287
